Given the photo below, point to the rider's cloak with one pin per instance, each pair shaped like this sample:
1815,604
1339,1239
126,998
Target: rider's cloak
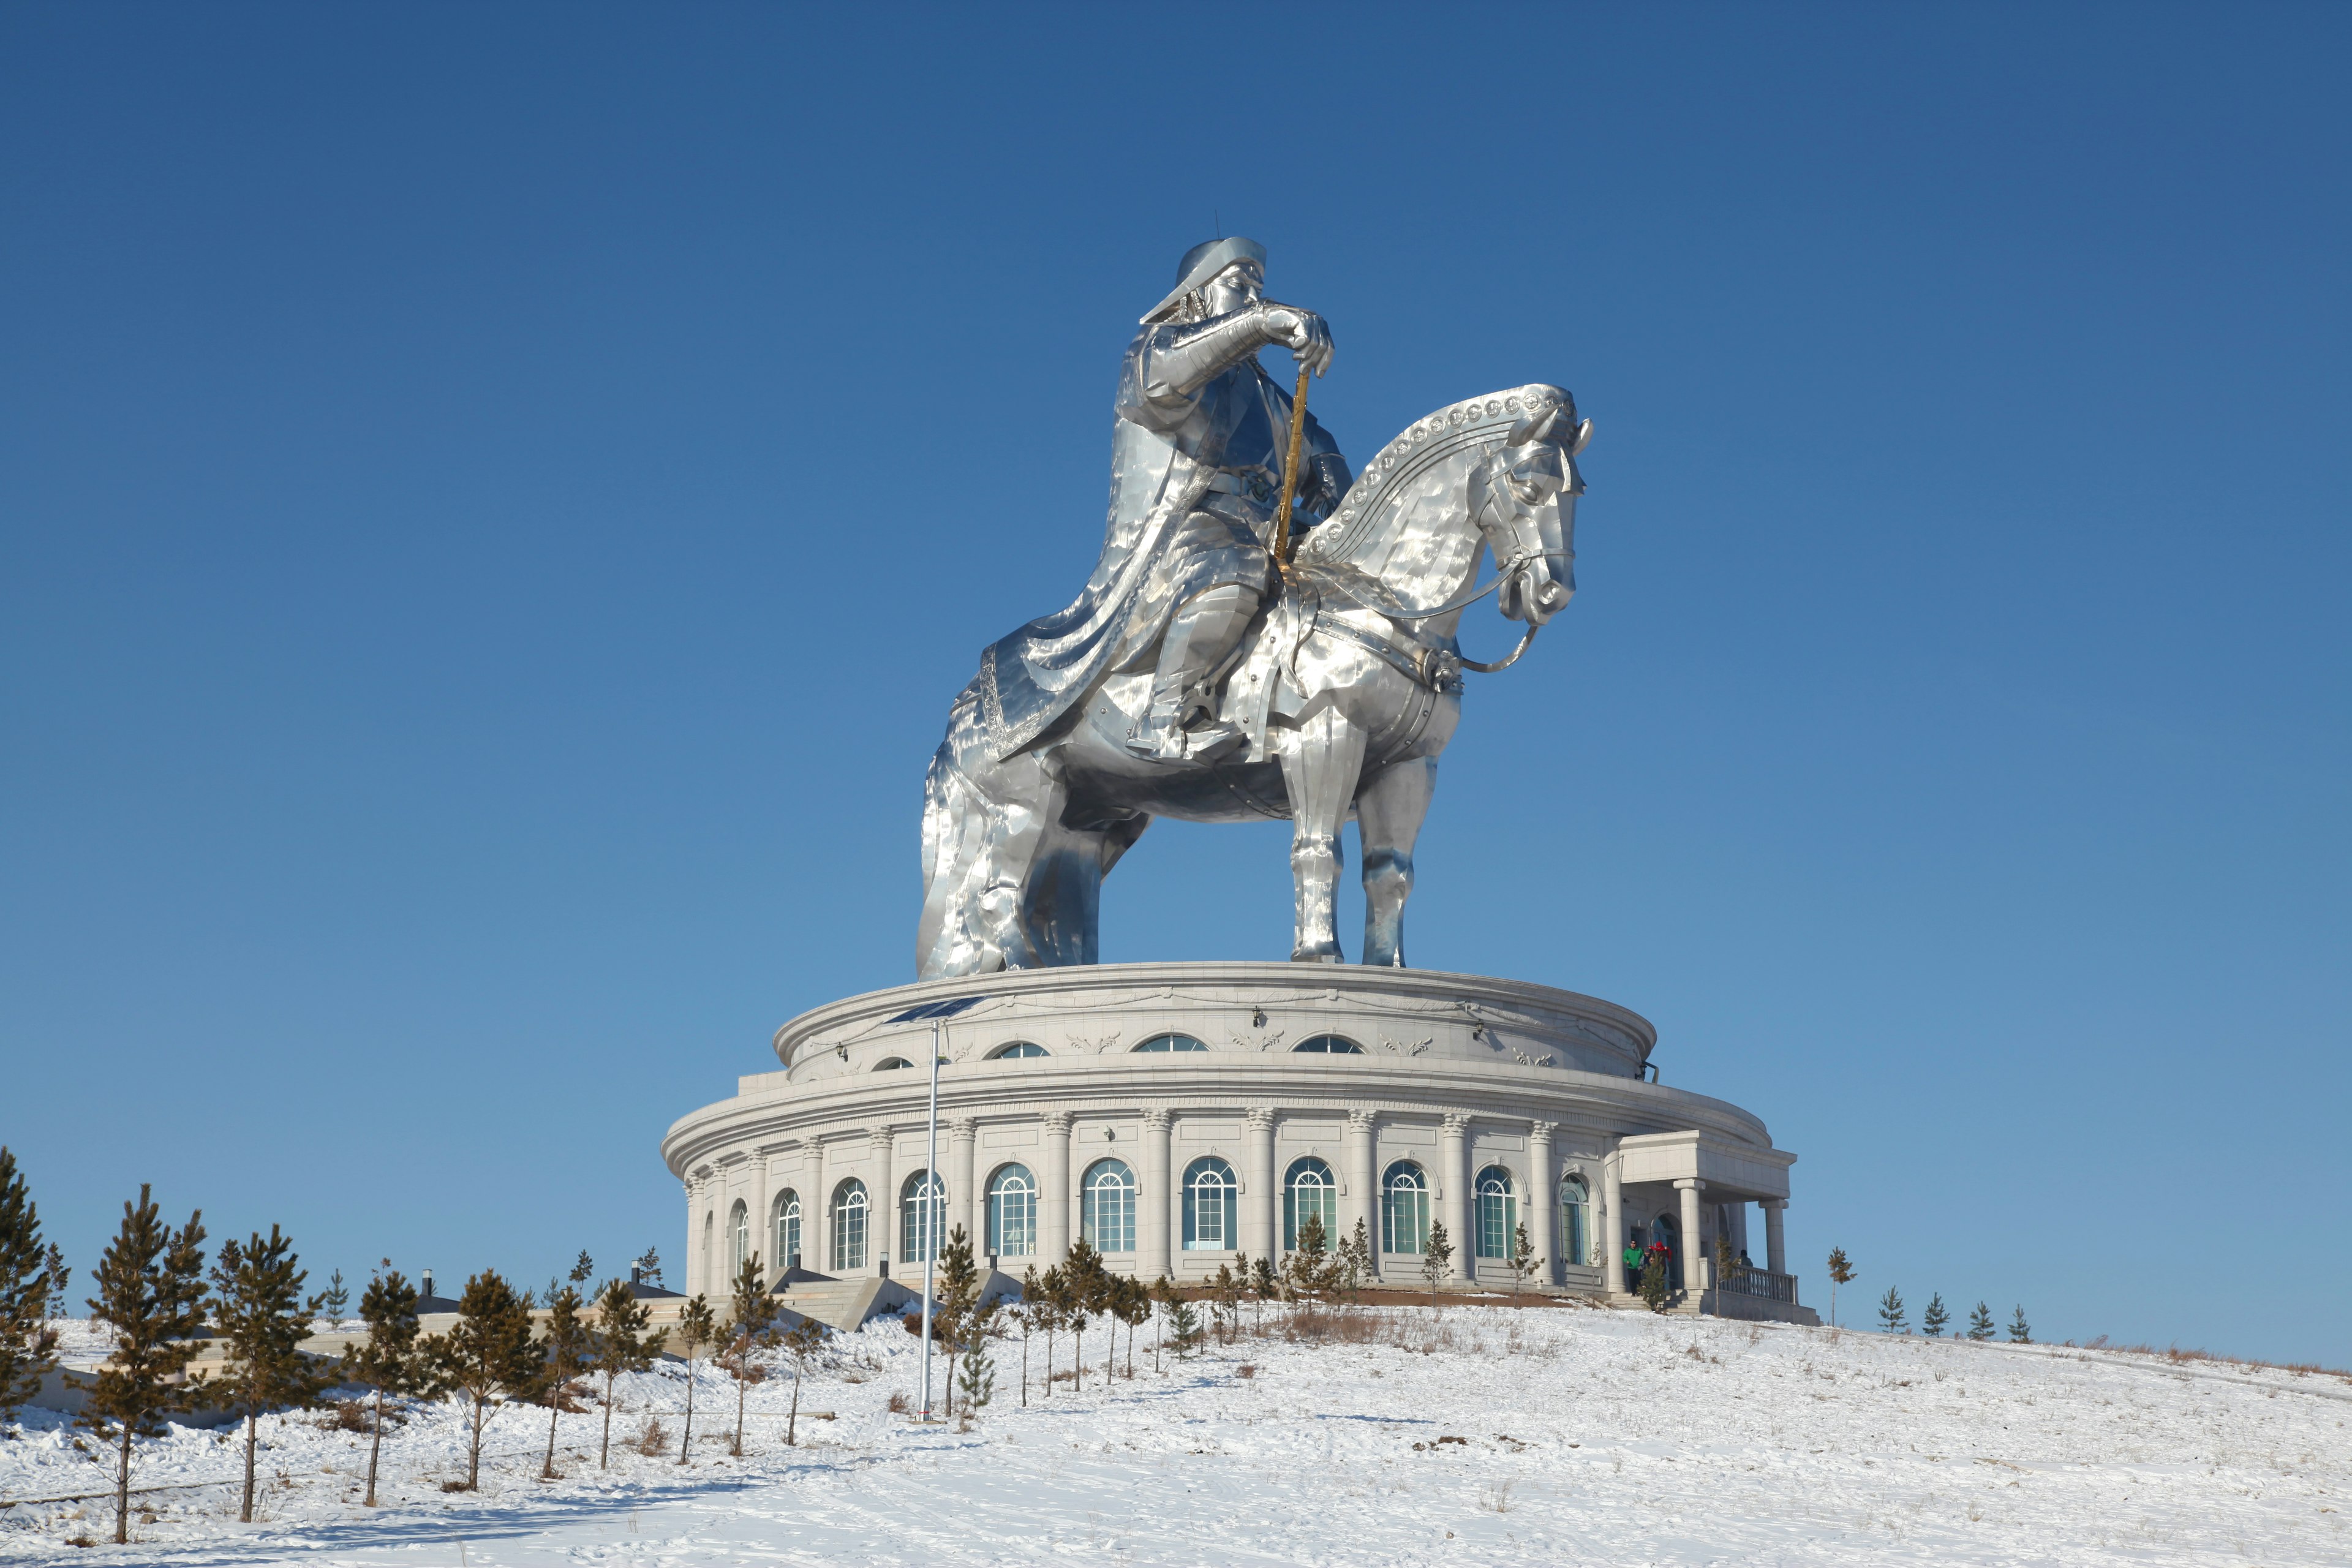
1159,548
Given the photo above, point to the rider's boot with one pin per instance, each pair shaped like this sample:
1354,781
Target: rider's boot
1181,725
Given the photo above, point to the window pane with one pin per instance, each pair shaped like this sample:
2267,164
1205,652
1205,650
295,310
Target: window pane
1334,1045
1311,1192
1171,1042
1404,1209
1013,1213
922,1216
849,1225
1107,1206
1211,1199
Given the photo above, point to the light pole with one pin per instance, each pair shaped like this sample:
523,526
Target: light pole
938,1013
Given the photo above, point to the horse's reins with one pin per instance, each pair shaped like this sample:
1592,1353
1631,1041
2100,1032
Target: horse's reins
1285,547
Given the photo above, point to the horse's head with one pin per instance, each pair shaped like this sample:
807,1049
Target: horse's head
1528,508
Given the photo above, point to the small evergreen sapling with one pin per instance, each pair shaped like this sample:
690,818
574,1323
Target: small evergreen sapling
487,1360
1523,1262
32,1279
1655,1282
1354,1262
151,1292
567,1346
1435,1254
956,1306
697,1327
1890,1312
262,1321
751,1329
390,1360
647,1270
622,1344
1840,1273
1981,1323
979,1377
1932,1321
2021,1332
335,1301
1185,1333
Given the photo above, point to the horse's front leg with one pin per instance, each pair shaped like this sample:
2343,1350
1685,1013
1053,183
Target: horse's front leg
1388,812
1319,768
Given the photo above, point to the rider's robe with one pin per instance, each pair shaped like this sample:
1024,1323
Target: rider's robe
1175,529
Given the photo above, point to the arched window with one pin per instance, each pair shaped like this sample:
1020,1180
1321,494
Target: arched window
1404,1209
922,1216
1106,1216
849,1227
738,1239
1015,1050
887,1063
1335,1045
1575,1219
1171,1042
1498,1213
1311,1192
710,1251
1212,1206
1012,1212
787,1227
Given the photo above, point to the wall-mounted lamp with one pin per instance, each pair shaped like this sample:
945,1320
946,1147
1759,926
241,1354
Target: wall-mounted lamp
1258,1018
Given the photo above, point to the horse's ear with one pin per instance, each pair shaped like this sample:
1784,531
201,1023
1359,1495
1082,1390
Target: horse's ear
1535,427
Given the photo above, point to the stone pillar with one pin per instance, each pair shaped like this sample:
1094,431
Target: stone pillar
1696,1264
1776,1257
763,1234
817,1213
1739,1212
1453,1194
1610,1226
1157,1201
1543,1176
1261,1187
1053,1218
963,1187
882,1203
693,1235
1364,1186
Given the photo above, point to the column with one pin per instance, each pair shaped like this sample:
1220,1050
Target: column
1738,1212
1453,1194
963,1190
1053,1218
817,1213
1776,1257
763,1234
882,1203
1697,1263
1156,1202
693,1242
1610,1226
1261,1188
1363,1187
1542,1205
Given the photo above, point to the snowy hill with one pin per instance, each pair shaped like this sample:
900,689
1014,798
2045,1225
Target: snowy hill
1490,1435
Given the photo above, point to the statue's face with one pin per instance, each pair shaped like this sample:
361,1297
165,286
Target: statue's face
1235,287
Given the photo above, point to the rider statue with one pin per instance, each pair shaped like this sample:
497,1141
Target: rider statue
1196,474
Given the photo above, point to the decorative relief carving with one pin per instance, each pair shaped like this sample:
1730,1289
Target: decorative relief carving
1259,1117
1058,1122
1407,1047
1263,1043
1097,1046
1525,1059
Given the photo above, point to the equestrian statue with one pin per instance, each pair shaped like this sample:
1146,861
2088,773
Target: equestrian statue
1264,636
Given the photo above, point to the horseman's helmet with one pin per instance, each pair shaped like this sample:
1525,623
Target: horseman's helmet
1201,263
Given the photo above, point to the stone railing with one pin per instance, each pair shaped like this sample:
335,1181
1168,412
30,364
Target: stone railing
1746,1281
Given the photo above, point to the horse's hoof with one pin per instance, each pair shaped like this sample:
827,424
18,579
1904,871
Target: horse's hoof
1330,954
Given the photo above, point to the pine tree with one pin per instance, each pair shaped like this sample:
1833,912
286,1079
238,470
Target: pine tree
2020,1332
956,1303
566,1345
1355,1261
1082,1297
1185,1333
647,1269
621,1345
978,1379
696,1328
1435,1254
262,1321
1890,1312
1163,1295
391,1359
487,1359
32,1280
1981,1323
1840,1273
751,1329
1655,1282
1523,1262
151,1292
335,1301
1262,1286
583,1269
1225,1303
1307,1270
1932,1321
801,1341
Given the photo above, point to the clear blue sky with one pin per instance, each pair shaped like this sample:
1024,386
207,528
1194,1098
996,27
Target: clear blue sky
494,502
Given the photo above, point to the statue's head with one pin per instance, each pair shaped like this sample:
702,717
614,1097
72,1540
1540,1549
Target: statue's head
1215,276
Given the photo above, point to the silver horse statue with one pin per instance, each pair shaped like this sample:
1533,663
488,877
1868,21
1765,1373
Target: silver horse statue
1344,691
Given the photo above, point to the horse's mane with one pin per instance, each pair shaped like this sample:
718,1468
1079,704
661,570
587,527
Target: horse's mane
1476,425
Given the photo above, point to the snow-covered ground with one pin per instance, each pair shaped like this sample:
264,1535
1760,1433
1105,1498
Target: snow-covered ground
1490,1435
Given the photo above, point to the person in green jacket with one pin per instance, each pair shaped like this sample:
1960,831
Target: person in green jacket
1632,1266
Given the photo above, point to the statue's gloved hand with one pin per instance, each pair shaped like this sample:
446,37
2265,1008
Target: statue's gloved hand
1306,334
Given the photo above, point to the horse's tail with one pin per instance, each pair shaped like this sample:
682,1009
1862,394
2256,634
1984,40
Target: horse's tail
955,843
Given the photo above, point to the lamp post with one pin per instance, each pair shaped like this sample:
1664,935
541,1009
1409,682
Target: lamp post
938,1013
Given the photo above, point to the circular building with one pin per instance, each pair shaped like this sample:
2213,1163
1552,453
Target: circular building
1173,1114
